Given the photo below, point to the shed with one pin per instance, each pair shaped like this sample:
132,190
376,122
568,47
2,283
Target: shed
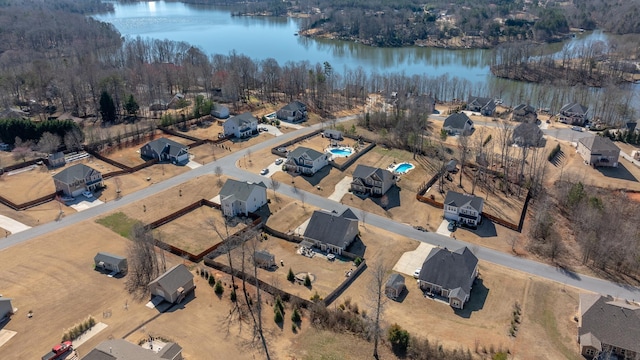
332,134
264,259
174,284
394,286
452,166
56,159
219,111
110,262
6,308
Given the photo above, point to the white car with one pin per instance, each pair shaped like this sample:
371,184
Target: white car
416,274
87,194
264,171
279,161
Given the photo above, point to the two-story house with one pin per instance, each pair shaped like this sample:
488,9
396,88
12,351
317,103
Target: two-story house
485,106
76,179
524,113
463,209
458,124
528,135
573,114
294,111
598,151
371,180
331,231
305,161
241,126
242,197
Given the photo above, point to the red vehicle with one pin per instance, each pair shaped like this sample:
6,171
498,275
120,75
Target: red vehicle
59,351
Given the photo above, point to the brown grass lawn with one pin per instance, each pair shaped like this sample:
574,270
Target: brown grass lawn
129,156
194,231
207,153
289,215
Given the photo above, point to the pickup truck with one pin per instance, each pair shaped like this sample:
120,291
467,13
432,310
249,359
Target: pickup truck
59,351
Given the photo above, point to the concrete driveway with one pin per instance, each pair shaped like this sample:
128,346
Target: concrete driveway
82,203
342,187
13,226
273,168
271,129
412,260
442,229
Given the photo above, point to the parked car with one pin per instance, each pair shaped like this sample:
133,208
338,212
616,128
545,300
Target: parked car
416,274
279,161
451,226
87,194
420,228
264,171
576,128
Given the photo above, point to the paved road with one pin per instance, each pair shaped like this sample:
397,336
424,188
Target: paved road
228,165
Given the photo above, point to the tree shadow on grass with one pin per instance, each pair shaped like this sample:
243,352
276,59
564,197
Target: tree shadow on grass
478,297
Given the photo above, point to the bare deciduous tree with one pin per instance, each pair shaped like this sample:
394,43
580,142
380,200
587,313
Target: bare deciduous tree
275,185
377,300
49,143
143,261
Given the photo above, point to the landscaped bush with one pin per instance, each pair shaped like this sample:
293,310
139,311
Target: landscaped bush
233,296
212,280
79,329
399,338
290,275
307,281
278,317
295,316
278,305
218,289
357,261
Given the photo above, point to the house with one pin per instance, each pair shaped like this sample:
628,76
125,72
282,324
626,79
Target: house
76,179
528,135
242,197
174,284
175,101
524,113
330,231
449,274
598,151
462,208
573,113
6,309
158,105
241,126
451,166
484,106
219,111
56,159
332,134
119,349
264,259
294,111
306,161
394,286
458,123
109,262
608,326
373,181
164,149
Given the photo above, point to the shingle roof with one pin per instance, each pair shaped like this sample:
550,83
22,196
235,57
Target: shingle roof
574,108
56,155
301,150
598,143
364,171
242,119
240,189
328,227
108,258
525,107
294,105
158,145
118,349
457,199
75,172
174,278
456,121
395,281
170,350
527,134
449,269
611,322
482,102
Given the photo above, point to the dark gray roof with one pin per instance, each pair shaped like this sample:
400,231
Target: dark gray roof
364,171
174,147
170,350
328,227
56,155
240,189
118,349
294,105
610,321
482,102
449,269
395,281
456,121
328,132
524,107
243,118
108,258
174,278
96,354
75,172
574,108
301,150
598,143
527,134
457,199
349,214
263,255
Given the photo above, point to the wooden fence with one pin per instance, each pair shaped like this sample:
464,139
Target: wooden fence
345,284
275,150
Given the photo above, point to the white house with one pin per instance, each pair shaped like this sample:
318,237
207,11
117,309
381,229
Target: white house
463,208
242,126
306,161
240,197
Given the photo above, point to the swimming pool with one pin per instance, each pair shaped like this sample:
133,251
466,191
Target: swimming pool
403,168
341,152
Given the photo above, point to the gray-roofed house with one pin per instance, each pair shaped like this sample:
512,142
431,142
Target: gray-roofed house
608,326
330,231
241,126
77,178
174,284
458,123
306,161
462,208
371,180
110,262
598,151
452,166
485,106
242,197
332,134
264,259
294,111
6,308
394,286
524,113
56,159
574,114
449,274
164,149
528,135
219,111
119,349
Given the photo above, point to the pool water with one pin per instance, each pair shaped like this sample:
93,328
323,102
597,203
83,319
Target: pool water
344,152
403,168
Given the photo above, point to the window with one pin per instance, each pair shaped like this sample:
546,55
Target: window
590,352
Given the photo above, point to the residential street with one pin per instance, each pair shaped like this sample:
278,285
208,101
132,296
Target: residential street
228,165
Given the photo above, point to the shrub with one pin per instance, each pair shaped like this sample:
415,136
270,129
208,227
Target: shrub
212,280
218,289
316,298
294,328
307,281
399,338
290,275
278,317
278,305
295,316
357,261
500,356
233,296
